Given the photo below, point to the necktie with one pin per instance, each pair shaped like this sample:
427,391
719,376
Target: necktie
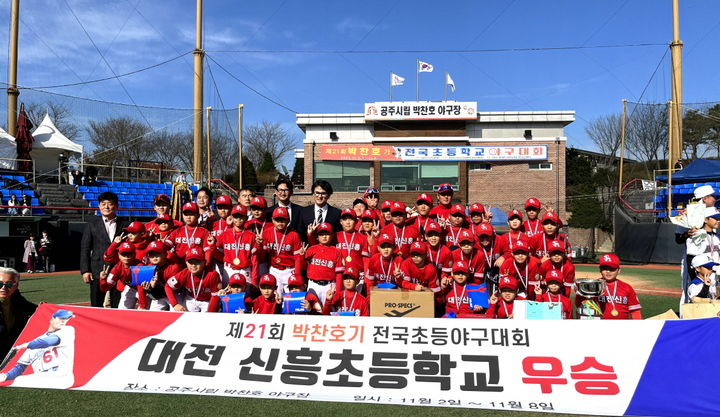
319,216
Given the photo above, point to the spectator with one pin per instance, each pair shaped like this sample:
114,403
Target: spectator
45,251
30,254
15,310
91,176
283,193
63,168
77,178
321,211
13,202
26,206
203,199
245,195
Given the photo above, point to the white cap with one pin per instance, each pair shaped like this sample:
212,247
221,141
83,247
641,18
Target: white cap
711,212
703,259
704,191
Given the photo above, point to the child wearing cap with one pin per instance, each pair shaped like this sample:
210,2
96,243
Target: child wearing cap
554,293
133,233
502,307
618,300
523,268
403,233
269,301
532,225
540,244
468,253
370,230
349,299
190,234
325,262
416,273
705,283
311,302
456,224
161,227
558,261
382,265
477,215
258,209
457,301
358,206
236,284
506,242
155,289
385,214
120,277
352,245
705,240
162,208
487,250
441,212
197,282
372,199
421,216
281,247
439,255
237,247
222,222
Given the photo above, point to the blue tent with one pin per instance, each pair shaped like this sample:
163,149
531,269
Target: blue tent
699,170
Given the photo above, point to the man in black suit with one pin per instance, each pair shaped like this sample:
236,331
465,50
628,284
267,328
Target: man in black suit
283,192
321,211
99,232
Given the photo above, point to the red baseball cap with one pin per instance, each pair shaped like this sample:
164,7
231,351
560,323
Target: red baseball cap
195,252
348,212
386,238
457,208
369,214
432,227
460,266
268,279
477,208
296,280
163,218
520,245
611,260
351,272
223,200
419,247
553,275
162,198
508,282
134,227
445,187
386,205
485,229
237,279
426,198
126,247
532,202
557,246
324,227
157,246
552,216
239,209
280,213
258,202
514,213
190,207
465,236
398,207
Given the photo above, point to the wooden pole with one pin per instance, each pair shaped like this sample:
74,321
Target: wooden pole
208,109
671,118
198,95
12,91
240,137
676,50
622,144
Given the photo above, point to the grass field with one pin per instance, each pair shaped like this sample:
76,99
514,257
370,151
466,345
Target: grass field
69,288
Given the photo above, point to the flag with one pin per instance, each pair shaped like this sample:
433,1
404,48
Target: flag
233,303
292,302
142,274
396,79
424,67
449,81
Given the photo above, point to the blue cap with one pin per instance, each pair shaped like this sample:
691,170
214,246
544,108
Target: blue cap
63,314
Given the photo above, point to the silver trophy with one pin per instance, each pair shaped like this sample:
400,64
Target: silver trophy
589,288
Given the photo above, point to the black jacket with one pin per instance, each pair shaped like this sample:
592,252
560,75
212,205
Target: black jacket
22,309
95,242
308,217
295,215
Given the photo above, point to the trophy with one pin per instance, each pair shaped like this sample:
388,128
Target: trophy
589,288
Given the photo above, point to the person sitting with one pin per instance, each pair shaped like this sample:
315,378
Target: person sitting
13,202
15,310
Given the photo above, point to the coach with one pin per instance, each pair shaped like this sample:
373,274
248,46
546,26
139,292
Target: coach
15,310
283,192
321,211
99,232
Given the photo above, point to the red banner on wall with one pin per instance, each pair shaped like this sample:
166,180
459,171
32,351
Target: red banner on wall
357,153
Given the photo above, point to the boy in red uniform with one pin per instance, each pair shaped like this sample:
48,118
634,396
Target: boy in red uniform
382,265
416,273
269,301
442,211
488,251
540,243
619,300
385,215
370,230
457,301
351,243
349,299
558,261
523,268
258,208
237,247
162,208
554,293
502,307
135,235
372,199
477,216
506,242
221,223
161,227
282,246
423,205
325,263
190,234
468,253
236,285
155,289
196,282
404,234
311,302
456,225
120,276
532,226
439,255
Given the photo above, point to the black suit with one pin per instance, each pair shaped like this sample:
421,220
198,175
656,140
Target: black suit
295,215
309,215
95,242
22,309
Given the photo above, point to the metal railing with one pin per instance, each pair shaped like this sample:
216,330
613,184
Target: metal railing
82,210
124,173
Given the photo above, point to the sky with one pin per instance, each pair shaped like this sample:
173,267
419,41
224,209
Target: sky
245,43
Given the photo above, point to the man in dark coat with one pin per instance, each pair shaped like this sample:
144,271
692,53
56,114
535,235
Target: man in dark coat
15,310
321,211
283,192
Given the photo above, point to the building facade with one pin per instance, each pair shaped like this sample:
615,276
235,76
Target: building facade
405,148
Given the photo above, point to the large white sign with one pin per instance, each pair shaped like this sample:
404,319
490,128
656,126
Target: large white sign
421,110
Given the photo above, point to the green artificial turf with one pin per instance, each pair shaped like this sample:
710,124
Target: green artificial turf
56,289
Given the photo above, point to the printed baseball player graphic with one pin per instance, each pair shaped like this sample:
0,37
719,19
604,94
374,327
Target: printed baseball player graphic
51,356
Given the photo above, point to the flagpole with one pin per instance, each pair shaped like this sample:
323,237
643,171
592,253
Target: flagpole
446,83
417,79
391,80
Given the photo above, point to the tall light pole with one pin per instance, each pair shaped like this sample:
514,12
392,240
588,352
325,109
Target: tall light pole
199,54
676,107
12,91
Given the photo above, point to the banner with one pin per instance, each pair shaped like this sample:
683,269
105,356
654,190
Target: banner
421,110
433,153
607,367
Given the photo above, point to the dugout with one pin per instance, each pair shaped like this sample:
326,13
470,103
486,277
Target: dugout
404,148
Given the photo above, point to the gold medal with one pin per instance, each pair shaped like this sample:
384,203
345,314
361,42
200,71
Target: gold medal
614,313
348,258
236,261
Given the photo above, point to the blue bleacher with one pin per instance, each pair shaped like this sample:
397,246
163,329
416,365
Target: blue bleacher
131,195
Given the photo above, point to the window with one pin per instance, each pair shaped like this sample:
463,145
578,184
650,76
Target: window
479,166
344,175
417,176
540,166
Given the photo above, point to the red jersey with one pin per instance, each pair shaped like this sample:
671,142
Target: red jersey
452,233
353,245
425,276
315,304
282,247
546,297
183,238
119,277
111,253
381,270
404,236
237,245
442,258
474,262
540,244
457,301
488,256
347,300
441,212
261,305
532,227
502,309
527,275
152,227
201,288
420,222
163,273
218,226
567,271
506,242
215,305
618,296
325,263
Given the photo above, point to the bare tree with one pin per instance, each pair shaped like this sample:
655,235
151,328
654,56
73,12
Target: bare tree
605,134
120,139
59,113
646,136
267,137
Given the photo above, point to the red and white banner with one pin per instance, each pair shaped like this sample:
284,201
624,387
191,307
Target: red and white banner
433,153
570,366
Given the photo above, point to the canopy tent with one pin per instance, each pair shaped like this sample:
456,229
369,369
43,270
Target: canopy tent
49,144
8,151
699,170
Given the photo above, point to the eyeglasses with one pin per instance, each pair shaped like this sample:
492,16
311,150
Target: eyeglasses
320,193
283,190
7,284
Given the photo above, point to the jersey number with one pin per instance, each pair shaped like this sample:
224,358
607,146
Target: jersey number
49,355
